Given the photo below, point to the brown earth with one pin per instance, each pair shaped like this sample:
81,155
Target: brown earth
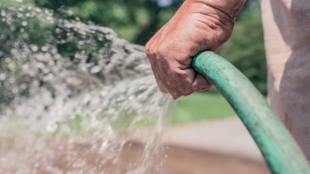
55,157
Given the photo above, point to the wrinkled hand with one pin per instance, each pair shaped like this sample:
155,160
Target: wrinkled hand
195,27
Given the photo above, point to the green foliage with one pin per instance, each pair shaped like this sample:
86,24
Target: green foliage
245,49
134,20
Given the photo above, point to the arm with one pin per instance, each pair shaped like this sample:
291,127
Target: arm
198,25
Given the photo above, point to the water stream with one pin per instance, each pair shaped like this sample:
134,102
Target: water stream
71,93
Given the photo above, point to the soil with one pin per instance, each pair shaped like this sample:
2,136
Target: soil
83,157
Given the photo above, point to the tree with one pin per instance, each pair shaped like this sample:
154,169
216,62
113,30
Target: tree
134,20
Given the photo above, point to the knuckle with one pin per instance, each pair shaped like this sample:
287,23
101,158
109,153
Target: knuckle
148,50
181,74
147,47
148,54
161,51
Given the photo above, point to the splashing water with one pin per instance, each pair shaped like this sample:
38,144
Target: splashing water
70,94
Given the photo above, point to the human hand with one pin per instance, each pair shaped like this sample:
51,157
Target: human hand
198,25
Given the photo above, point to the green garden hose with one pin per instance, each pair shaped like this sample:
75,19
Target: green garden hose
280,151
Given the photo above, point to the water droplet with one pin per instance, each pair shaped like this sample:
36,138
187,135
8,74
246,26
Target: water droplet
7,60
34,48
2,76
36,165
3,13
24,23
44,48
51,127
95,69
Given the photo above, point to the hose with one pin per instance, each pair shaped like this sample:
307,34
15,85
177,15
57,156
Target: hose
279,150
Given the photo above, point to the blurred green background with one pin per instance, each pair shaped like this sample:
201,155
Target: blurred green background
137,20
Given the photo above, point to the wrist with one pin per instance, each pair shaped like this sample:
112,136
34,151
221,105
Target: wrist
230,8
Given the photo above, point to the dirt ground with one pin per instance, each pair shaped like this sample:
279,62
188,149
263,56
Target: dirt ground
85,158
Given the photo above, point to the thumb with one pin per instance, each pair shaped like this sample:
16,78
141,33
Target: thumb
200,83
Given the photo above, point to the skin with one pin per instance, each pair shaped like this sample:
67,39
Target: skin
198,25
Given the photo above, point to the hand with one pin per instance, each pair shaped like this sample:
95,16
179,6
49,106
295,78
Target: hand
195,27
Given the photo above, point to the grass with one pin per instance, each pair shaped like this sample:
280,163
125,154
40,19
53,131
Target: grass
198,106
201,106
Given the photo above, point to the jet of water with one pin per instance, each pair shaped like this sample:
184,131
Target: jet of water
70,93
